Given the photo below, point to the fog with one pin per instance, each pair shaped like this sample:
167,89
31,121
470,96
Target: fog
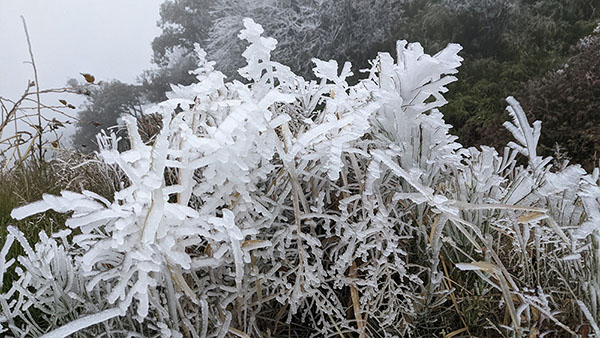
109,39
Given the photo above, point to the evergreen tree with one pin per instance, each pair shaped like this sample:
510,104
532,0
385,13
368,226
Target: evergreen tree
107,102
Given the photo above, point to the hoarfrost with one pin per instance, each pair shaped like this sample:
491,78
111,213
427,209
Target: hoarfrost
285,195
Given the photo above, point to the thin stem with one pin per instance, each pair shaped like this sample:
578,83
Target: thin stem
37,89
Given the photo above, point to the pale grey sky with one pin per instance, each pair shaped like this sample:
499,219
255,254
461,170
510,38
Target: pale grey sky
107,38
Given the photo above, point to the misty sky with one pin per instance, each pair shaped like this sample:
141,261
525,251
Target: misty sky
109,39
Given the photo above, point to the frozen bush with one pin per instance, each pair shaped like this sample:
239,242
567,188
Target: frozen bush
319,207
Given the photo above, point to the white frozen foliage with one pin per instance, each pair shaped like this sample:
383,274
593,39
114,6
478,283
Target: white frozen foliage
337,208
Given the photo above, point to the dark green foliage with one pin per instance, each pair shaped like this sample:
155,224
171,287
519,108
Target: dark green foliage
476,25
476,102
107,102
567,102
506,43
500,29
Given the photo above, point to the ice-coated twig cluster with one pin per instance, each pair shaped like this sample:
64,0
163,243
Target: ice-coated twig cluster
315,205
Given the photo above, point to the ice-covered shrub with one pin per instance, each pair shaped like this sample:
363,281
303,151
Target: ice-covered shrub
318,207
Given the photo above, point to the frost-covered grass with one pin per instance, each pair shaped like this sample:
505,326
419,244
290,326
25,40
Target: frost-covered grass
283,206
28,181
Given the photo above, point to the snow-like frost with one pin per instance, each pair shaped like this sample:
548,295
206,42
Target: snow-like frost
288,193
83,322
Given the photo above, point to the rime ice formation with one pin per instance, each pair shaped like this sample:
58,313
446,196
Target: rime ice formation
281,192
